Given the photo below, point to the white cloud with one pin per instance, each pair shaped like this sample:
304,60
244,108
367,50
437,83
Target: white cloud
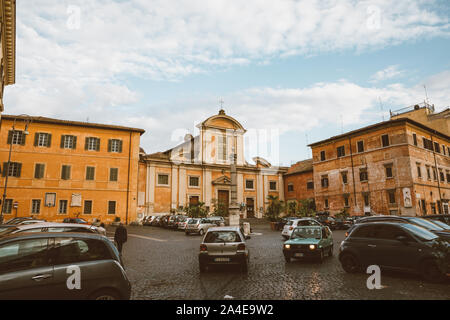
387,73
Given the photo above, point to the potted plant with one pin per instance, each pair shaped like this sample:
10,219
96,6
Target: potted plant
274,209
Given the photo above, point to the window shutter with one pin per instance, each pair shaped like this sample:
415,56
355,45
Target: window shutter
10,134
36,138
74,142
5,168
120,146
97,142
19,169
62,141
86,141
109,145
49,140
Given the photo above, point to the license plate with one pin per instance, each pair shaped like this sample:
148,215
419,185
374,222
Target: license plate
298,255
222,259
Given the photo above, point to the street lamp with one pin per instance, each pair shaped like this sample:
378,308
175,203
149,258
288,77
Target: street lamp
27,119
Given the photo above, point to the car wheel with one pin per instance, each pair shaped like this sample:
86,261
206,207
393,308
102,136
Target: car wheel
105,294
201,232
349,263
287,259
431,272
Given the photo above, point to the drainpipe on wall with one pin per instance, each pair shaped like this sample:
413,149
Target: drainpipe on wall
437,175
128,180
353,172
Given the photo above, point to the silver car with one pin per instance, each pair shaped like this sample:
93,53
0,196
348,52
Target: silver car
52,227
198,226
44,266
224,245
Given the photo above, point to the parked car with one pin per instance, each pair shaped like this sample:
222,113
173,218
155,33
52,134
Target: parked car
293,223
224,245
147,221
155,221
75,220
164,221
445,218
18,219
199,226
181,222
342,224
35,266
29,221
427,224
327,221
219,221
309,242
52,227
393,245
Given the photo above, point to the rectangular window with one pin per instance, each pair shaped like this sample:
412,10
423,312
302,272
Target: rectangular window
324,181
7,208
363,175
322,155
344,177
415,139
163,179
114,145
194,181
222,147
443,149
346,201
16,137
448,176
14,169
366,197
437,147
68,142
39,170
434,174
111,207
62,207
326,203
310,185
87,207
441,176
389,173
113,174
249,184
272,185
427,144
65,172
90,173
424,206
391,196
360,145
42,139
385,140
290,187
419,171
341,151
428,172
35,206
92,144
433,208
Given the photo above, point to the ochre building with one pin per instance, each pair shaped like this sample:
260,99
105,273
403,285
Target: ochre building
62,169
198,170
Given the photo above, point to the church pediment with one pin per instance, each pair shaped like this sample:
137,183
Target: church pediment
223,180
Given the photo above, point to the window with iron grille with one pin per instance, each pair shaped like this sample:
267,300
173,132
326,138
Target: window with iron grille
163,179
427,144
113,174
310,185
90,173
273,185
111,207
385,140
290,187
324,181
14,169
92,144
114,145
363,175
62,206
7,207
35,206
194,181
87,207
341,151
39,170
249,184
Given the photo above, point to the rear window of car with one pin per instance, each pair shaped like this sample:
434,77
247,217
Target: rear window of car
193,221
222,236
72,250
289,223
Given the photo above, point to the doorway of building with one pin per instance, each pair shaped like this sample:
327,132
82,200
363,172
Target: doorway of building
194,200
250,205
223,199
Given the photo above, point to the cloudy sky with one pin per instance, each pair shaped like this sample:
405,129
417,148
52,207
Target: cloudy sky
297,70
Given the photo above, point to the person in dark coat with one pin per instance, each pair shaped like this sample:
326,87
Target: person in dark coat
120,236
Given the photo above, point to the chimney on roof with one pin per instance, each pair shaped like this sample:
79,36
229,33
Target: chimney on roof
416,107
222,112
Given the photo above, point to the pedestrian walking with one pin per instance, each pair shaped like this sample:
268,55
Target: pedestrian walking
120,236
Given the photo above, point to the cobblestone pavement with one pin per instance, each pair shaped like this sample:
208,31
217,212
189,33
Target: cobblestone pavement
163,264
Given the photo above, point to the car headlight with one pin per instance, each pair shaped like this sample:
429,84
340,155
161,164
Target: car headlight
312,246
287,246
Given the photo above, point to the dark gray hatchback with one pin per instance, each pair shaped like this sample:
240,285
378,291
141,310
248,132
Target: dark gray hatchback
401,246
41,266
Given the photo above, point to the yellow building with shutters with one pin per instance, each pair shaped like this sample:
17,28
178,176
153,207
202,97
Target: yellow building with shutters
63,169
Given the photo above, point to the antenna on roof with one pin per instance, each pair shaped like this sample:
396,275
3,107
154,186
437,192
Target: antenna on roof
342,124
307,150
381,108
426,94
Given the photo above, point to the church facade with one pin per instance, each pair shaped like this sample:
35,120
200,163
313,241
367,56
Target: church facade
198,170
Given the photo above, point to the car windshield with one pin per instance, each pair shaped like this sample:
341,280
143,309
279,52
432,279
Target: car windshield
420,232
289,223
222,236
307,233
441,224
426,224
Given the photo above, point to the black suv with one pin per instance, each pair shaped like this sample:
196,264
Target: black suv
401,246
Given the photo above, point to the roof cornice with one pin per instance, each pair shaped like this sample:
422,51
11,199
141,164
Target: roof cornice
9,39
